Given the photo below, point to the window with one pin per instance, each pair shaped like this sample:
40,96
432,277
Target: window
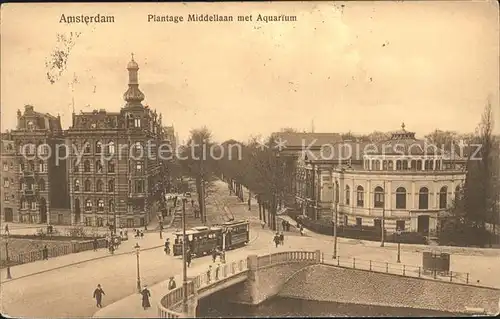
100,205
347,195
21,167
6,182
77,185
111,148
378,197
111,185
77,205
377,223
76,167
111,205
5,166
360,196
99,186
41,185
44,149
139,186
399,165
88,185
400,225
42,166
346,220
33,205
138,147
359,221
24,204
86,147
98,166
88,205
98,147
6,196
111,166
384,165
401,198
443,196
423,198
100,222
31,166
138,167
88,221
405,164
86,166
137,122
391,165
419,165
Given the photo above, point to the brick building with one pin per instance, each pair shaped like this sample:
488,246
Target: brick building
115,174
35,176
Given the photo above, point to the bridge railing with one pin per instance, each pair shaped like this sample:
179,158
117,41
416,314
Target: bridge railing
218,273
394,269
287,256
170,300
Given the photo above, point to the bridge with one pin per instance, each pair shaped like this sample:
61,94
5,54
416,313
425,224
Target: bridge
257,278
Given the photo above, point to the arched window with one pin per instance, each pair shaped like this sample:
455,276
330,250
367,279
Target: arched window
111,147
111,166
443,197
98,147
400,198
88,205
99,186
77,185
88,185
378,197
399,165
405,164
98,166
76,167
111,205
384,165
31,166
41,166
86,147
86,166
390,165
347,195
100,205
419,165
41,185
423,198
360,196
111,185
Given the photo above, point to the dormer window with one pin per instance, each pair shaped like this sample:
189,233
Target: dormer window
137,122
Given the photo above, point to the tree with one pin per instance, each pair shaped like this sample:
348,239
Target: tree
197,162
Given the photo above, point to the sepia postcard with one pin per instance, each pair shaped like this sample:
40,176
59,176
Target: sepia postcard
251,159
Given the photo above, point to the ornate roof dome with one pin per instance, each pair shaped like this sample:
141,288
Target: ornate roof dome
132,64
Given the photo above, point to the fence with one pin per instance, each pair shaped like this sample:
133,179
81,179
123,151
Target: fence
395,269
65,249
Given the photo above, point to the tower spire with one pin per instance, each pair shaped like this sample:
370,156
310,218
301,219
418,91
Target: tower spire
133,96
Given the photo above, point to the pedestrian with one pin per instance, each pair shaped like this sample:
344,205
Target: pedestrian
192,202
188,257
45,253
276,240
263,224
98,292
172,284
222,257
301,230
95,244
145,297
137,233
209,273
121,233
167,246
283,225
217,270
282,238
142,234
214,254
7,229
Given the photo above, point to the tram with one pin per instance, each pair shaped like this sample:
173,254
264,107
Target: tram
203,240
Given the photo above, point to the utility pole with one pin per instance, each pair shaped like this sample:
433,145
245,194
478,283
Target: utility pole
336,192
184,264
383,221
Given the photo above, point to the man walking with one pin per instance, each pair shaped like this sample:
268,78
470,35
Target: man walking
98,293
95,244
188,257
172,284
7,229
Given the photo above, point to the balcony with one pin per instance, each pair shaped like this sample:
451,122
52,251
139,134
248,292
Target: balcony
28,173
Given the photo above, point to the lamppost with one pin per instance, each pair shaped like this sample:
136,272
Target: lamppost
383,219
7,256
398,233
184,261
137,252
336,194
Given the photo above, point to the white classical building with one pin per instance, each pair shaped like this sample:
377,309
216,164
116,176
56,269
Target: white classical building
403,181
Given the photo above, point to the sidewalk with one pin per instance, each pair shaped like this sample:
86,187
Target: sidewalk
131,306
150,241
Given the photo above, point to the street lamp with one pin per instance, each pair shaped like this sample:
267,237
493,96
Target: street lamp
398,233
336,194
137,252
7,256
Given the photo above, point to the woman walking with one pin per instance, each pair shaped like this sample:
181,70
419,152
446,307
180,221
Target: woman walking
145,298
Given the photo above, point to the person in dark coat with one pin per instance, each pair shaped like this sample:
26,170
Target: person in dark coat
209,273
282,238
95,244
98,293
214,255
45,253
276,240
145,298
172,284
188,258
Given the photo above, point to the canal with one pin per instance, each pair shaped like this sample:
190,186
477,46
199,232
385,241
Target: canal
215,306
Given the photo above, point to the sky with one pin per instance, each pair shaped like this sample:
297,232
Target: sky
362,67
